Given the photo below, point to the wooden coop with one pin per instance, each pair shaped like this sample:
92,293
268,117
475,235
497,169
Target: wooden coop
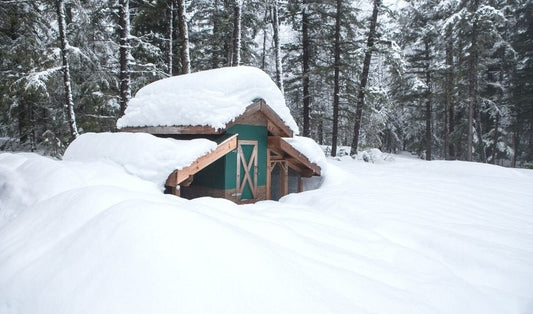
251,162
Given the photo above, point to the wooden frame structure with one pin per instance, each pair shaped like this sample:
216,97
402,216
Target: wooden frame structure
284,156
184,176
231,174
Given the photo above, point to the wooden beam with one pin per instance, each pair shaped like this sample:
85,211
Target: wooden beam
303,171
277,144
179,176
268,177
275,125
187,129
284,176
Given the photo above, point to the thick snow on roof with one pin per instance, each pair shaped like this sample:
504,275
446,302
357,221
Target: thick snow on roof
213,98
310,149
143,155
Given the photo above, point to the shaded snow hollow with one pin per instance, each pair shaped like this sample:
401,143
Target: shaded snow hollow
404,236
213,98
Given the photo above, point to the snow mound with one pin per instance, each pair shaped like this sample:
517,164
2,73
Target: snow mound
374,155
27,179
146,156
406,236
213,98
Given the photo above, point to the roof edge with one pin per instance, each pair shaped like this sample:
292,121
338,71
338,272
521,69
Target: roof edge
276,126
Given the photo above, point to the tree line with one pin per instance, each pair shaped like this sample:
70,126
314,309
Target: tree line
441,79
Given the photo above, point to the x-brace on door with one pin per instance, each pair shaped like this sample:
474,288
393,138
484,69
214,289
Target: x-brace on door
247,169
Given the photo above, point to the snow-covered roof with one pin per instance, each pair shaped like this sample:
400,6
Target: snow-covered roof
143,155
209,98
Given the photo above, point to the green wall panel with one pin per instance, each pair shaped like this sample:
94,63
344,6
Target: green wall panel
248,132
222,173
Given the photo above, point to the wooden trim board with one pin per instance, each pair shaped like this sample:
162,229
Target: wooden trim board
293,156
179,176
276,126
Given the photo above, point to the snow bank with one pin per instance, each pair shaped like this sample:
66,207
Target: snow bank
406,236
27,179
213,97
146,156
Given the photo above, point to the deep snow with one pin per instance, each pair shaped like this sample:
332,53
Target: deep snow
399,235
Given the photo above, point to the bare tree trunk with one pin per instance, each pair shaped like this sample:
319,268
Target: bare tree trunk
516,146
496,135
263,50
428,103
69,103
472,82
336,83
170,36
236,51
277,44
184,33
448,110
364,77
125,54
305,71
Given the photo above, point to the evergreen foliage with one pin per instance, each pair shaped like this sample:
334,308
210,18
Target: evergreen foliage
447,79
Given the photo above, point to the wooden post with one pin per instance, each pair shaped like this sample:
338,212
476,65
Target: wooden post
300,184
268,177
284,178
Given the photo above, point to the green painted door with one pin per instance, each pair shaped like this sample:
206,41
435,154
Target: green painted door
247,169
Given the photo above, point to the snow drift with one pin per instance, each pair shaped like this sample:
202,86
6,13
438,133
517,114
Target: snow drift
404,236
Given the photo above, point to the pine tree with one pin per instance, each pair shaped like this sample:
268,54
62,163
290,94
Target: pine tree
364,76
522,90
336,87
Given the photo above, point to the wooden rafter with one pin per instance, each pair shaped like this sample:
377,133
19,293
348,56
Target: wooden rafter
179,176
297,160
188,129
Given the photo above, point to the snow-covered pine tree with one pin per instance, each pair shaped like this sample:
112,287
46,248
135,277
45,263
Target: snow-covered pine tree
364,76
522,86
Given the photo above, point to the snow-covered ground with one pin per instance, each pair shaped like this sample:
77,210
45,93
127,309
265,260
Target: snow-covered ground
399,235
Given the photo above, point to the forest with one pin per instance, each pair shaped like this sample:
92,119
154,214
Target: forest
446,79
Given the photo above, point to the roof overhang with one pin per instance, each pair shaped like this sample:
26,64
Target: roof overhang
276,126
295,158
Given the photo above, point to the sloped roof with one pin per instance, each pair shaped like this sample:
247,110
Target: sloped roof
212,98
143,155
